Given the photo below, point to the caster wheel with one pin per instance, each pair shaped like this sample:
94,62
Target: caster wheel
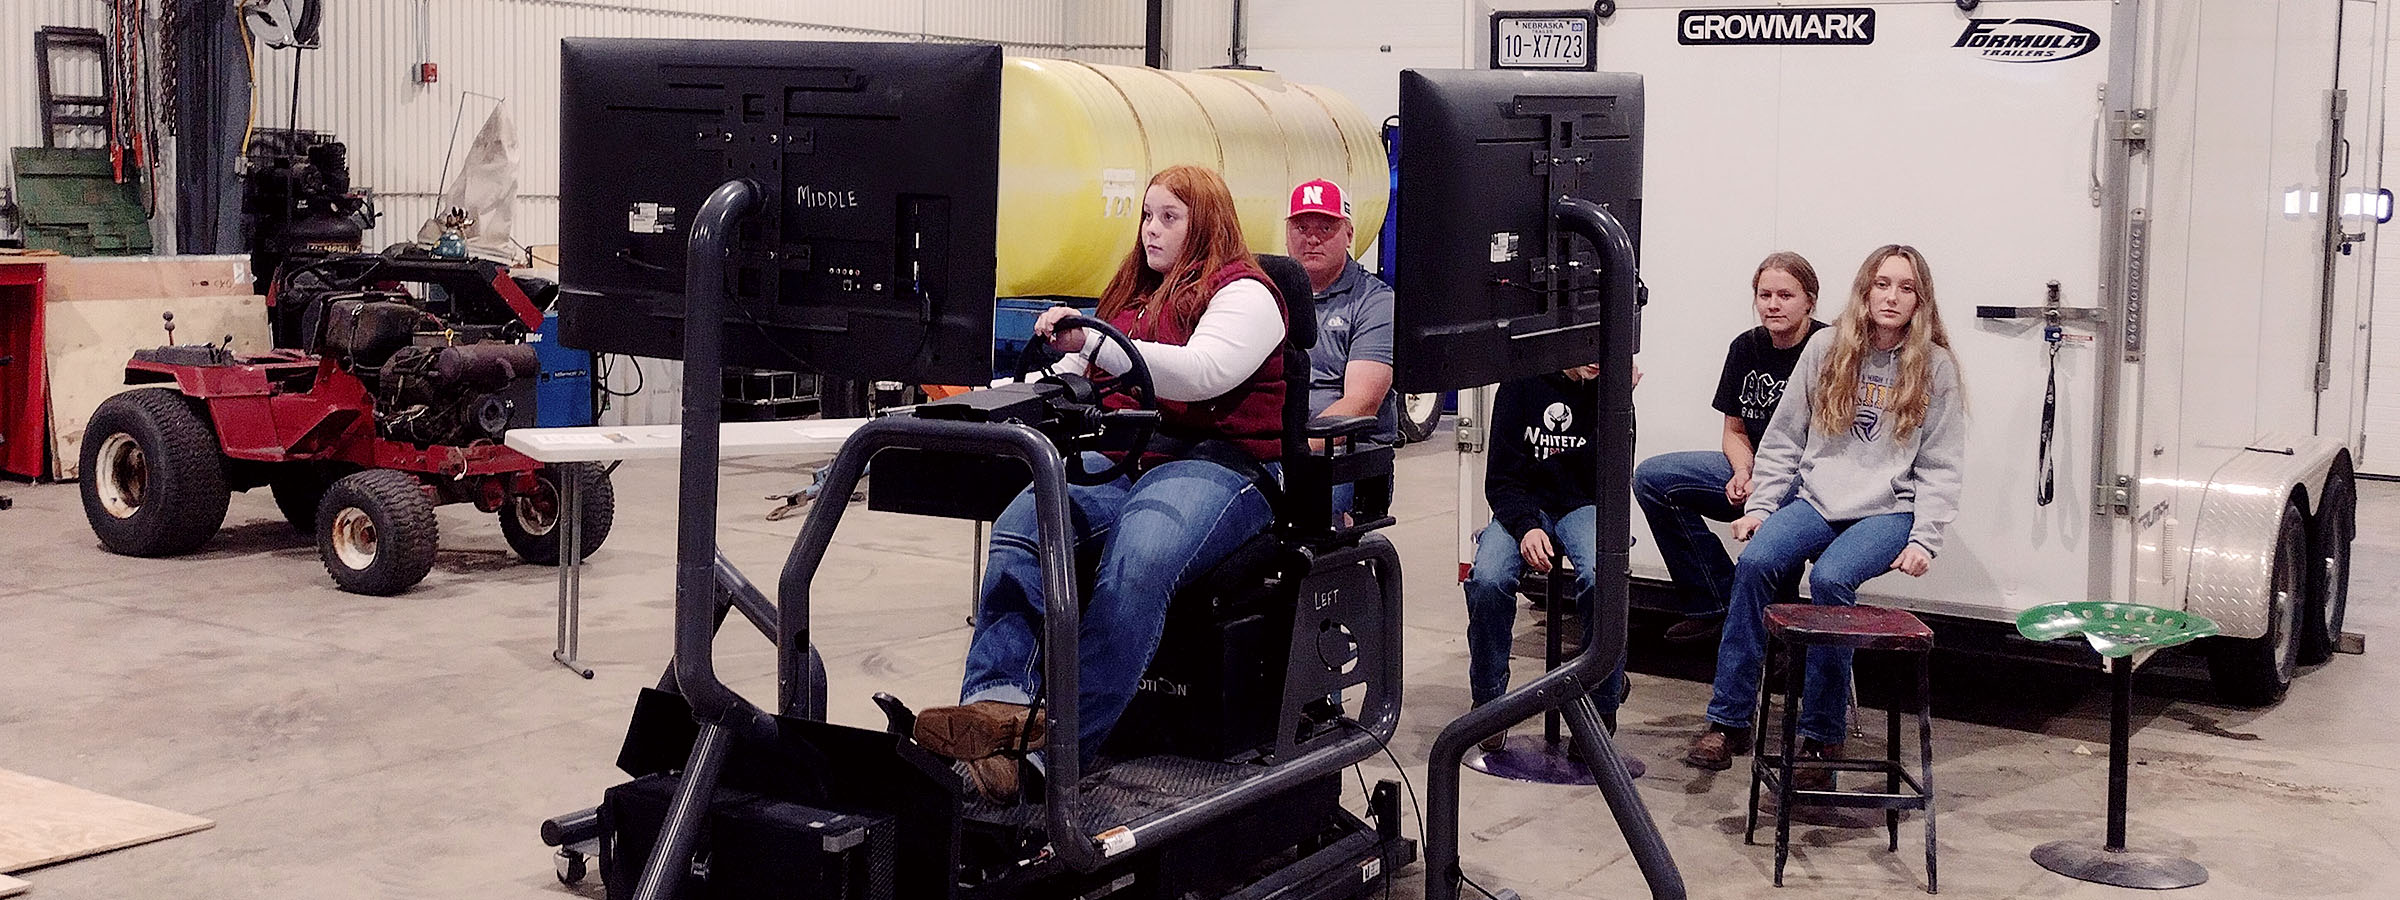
571,867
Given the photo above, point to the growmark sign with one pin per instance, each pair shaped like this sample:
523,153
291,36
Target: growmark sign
1788,27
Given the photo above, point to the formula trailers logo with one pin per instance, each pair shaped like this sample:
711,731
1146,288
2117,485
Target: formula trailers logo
2027,40
1786,27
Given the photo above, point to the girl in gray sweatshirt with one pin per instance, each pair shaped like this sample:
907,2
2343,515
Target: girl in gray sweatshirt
1859,470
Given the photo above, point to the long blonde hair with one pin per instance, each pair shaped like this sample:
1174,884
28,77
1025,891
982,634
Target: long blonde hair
1837,381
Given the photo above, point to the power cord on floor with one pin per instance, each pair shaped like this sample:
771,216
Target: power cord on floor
1404,783
1462,876
1412,805
1369,796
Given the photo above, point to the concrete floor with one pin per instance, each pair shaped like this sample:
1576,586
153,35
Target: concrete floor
365,747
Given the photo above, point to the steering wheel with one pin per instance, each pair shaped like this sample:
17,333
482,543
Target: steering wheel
1134,385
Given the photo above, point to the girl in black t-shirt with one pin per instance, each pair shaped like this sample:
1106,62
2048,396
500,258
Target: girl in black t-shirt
1677,491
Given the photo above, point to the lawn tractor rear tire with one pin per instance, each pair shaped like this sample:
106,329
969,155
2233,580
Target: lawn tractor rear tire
376,532
153,477
530,522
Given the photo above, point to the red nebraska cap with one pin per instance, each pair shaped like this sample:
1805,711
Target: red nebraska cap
1320,196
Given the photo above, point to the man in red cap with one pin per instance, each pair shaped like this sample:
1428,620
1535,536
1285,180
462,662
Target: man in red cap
1350,369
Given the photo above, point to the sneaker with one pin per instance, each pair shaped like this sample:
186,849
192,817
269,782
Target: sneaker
980,729
1815,779
1715,748
1695,629
1495,743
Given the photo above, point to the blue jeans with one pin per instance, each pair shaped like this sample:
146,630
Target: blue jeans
1677,492
1492,601
1847,554
1155,536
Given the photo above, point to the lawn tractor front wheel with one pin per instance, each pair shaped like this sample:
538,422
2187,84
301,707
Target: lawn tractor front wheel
376,532
530,521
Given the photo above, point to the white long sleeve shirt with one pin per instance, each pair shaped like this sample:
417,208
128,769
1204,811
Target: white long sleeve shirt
1241,325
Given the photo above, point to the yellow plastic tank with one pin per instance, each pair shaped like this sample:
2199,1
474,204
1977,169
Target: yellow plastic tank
1079,142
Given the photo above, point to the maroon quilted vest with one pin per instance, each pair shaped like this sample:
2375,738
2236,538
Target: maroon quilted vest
1250,415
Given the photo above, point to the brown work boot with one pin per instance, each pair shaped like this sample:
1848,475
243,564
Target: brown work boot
996,777
1694,629
1815,779
1715,748
1495,743
979,729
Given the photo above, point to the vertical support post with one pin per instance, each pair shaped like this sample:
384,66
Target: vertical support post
1556,618
2120,744
710,243
662,877
1154,34
1570,685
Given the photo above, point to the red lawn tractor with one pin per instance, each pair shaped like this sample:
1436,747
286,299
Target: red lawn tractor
380,404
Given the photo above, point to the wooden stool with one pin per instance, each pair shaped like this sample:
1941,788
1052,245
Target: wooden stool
1801,626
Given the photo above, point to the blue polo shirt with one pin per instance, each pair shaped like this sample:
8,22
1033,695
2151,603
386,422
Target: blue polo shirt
1354,322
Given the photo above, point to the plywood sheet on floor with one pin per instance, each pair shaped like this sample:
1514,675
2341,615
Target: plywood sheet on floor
43,822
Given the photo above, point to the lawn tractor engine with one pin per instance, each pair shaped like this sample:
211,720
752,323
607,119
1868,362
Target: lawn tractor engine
434,382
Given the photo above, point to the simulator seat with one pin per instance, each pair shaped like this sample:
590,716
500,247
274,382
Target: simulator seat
1257,653
1240,674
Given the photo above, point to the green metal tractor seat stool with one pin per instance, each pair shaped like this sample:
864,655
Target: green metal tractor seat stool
1801,626
2117,631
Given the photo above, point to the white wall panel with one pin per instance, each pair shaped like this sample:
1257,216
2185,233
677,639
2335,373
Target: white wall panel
2381,451
1356,47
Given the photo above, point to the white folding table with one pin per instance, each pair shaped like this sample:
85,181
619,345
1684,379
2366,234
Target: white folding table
615,444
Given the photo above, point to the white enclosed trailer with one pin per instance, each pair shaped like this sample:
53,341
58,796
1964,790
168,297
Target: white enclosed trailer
2198,178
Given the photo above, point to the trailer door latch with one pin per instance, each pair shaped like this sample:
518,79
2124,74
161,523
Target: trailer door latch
2114,498
2131,126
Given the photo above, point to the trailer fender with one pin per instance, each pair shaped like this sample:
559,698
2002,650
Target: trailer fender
2233,544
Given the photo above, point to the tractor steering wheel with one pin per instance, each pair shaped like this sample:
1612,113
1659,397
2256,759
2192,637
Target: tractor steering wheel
1134,385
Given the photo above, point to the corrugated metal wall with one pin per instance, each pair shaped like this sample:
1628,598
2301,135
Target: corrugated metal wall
400,132
360,86
1200,32
20,114
20,107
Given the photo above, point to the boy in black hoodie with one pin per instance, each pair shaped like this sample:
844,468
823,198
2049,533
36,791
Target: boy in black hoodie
1539,485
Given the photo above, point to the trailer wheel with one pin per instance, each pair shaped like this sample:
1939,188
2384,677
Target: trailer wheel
530,521
1419,414
153,478
2256,671
376,532
2329,534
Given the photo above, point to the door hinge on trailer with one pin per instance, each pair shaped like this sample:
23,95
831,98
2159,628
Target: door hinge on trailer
2113,499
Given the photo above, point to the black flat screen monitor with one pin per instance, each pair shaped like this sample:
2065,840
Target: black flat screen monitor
872,253
1488,152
